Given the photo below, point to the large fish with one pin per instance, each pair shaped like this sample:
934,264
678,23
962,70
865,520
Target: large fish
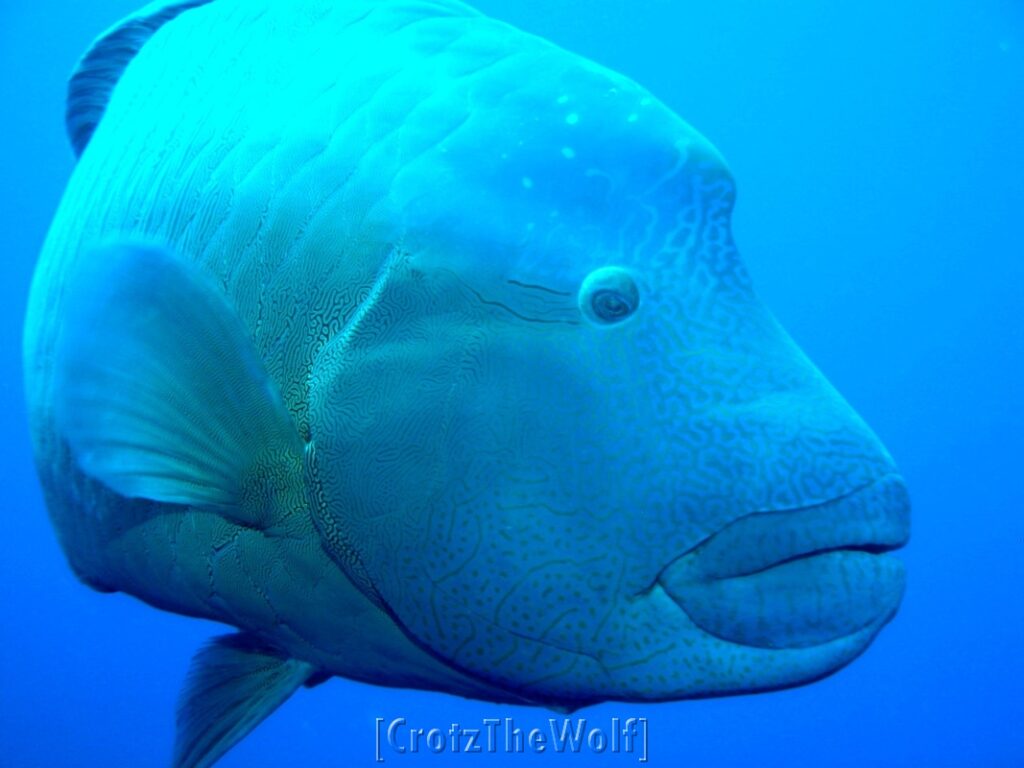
419,350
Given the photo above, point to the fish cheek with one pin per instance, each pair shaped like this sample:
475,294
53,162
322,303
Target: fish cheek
434,488
379,421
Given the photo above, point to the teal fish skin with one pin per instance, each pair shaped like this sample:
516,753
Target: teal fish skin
495,287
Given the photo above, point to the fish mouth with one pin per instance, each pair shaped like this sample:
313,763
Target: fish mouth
800,577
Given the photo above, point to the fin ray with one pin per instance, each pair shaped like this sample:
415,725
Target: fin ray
233,684
159,390
99,70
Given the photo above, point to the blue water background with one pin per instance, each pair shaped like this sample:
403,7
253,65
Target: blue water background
879,151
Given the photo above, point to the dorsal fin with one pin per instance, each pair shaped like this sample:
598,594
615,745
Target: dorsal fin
99,70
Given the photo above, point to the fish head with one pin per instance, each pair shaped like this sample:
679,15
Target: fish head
566,445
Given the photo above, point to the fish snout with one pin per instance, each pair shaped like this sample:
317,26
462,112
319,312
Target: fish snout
798,577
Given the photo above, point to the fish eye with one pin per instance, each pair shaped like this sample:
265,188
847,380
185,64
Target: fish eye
608,296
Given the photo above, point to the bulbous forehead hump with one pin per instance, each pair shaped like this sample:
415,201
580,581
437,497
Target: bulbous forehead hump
557,152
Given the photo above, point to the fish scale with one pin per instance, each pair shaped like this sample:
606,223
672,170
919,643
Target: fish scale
419,351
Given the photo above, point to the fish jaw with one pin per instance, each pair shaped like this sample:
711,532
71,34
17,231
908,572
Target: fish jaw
798,578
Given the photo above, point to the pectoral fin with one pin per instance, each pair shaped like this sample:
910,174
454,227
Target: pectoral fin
159,390
233,685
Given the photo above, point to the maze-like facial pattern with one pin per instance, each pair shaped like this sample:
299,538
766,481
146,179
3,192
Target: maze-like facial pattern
403,202
516,478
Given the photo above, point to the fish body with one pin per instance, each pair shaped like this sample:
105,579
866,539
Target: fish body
419,350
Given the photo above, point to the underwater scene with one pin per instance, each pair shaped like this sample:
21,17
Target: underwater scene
415,382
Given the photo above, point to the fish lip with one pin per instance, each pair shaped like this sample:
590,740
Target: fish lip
869,549
873,518
800,577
